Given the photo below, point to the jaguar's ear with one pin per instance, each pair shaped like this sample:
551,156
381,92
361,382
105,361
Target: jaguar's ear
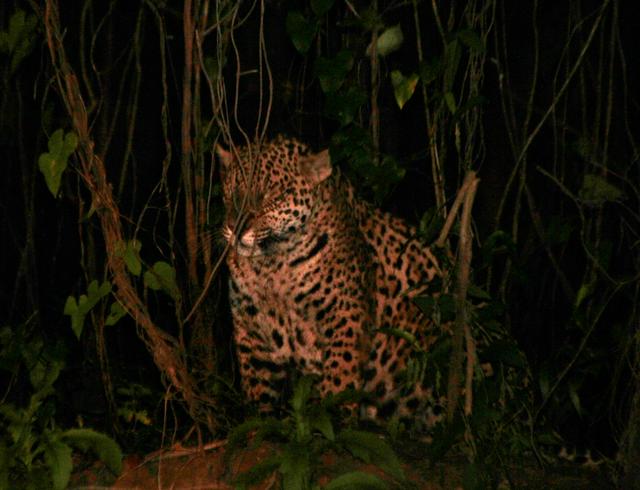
226,157
317,167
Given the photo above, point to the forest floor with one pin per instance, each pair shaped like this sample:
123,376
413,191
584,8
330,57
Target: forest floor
211,468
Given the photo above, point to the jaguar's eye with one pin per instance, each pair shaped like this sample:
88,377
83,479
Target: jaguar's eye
269,241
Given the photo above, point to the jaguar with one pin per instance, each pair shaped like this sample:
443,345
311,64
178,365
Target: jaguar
318,278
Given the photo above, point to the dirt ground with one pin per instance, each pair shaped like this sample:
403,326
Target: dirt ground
207,468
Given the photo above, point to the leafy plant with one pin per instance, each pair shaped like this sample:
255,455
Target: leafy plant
78,309
54,162
19,38
304,435
34,452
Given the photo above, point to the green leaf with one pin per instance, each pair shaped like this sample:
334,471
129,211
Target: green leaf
212,68
403,87
53,163
300,30
6,460
343,106
116,312
78,310
57,457
132,257
319,420
596,190
575,398
77,318
239,435
478,293
452,55
129,251
559,230
586,290
301,393
426,304
331,72
42,374
471,40
472,477
504,351
497,243
102,445
431,223
372,449
19,39
451,102
390,40
544,381
162,276
400,333
321,7
295,468
356,480
97,292
430,71
16,26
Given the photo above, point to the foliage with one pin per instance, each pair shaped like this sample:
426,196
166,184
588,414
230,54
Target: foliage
78,309
304,435
34,452
18,39
54,162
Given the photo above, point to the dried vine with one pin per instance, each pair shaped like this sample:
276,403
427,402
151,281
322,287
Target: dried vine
165,350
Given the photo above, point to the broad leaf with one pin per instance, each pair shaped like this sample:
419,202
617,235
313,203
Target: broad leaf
356,480
162,276
390,40
301,393
471,40
129,251
116,312
373,449
57,457
478,293
575,397
54,162
343,106
403,87
504,352
596,190
300,30
321,7
451,102
77,317
78,310
319,420
102,445
430,71
331,72
18,40
295,468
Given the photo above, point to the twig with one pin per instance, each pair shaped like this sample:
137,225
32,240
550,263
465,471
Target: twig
462,285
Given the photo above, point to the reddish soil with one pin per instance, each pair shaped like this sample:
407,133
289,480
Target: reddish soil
208,468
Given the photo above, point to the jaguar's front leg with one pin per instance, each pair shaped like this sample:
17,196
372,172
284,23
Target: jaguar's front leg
262,375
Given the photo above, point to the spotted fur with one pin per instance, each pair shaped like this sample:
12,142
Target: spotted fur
317,275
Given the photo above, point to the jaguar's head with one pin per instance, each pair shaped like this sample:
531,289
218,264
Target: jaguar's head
268,193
